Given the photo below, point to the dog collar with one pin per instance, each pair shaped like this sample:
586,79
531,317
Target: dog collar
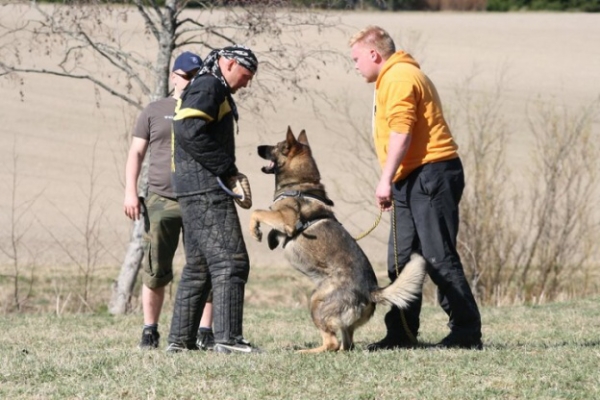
307,194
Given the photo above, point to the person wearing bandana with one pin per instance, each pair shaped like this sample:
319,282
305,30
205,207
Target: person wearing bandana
203,157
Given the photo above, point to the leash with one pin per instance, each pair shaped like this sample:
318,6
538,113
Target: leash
409,334
365,233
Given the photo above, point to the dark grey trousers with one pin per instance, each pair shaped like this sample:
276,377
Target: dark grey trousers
216,257
426,212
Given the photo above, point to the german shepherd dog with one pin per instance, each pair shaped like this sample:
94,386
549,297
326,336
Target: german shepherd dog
317,245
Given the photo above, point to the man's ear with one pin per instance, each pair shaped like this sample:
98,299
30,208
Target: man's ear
374,54
230,64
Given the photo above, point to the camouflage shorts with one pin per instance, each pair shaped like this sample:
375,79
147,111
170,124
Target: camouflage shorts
162,225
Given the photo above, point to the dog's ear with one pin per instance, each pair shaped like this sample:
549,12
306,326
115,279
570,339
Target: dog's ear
290,139
302,138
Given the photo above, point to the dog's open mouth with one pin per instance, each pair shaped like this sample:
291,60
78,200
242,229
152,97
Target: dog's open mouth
269,169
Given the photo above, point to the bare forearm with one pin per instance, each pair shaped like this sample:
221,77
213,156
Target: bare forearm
397,148
133,166
132,172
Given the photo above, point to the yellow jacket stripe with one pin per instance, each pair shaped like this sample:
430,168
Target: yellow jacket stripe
191,113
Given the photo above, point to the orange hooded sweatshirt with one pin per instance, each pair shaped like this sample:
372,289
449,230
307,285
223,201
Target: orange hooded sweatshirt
407,102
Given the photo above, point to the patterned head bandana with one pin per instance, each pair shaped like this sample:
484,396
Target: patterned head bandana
241,54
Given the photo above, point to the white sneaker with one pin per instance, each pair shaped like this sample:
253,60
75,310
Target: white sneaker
240,346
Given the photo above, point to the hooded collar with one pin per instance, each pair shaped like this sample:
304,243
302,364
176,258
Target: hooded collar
398,57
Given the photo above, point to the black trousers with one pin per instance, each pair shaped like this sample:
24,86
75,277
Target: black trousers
216,257
427,219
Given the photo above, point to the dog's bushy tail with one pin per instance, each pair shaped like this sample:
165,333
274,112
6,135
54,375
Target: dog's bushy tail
406,287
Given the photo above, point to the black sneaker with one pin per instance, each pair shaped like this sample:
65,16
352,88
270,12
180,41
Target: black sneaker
460,341
240,346
178,348
388,343
150,339
206,339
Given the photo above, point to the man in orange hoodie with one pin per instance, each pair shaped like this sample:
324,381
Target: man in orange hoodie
421,182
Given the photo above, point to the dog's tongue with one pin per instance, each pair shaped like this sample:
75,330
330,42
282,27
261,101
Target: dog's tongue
269,169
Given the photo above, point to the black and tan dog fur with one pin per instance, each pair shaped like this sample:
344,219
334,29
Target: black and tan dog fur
317,245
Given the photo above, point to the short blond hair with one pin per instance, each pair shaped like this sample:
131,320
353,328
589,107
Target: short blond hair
376,37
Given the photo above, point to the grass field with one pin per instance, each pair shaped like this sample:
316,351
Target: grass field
531,352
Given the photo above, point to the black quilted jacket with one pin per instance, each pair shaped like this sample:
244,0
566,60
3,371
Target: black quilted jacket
203,137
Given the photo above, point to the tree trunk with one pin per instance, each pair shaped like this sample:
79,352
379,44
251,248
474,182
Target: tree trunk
120,301
122,288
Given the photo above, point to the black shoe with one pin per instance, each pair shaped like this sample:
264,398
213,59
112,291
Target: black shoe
206,339
240,346
150,339
388,343
460,341
178,348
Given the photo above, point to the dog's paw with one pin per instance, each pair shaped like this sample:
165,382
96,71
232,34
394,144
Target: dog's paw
255,231
273,239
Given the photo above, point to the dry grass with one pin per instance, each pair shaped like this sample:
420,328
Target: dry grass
548,352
